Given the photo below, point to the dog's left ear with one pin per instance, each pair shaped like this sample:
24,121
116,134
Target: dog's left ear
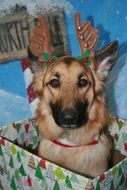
105,59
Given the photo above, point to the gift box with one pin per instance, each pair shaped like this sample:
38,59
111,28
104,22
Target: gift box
21,168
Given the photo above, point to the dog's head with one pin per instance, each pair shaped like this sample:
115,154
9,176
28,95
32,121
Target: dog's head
71,93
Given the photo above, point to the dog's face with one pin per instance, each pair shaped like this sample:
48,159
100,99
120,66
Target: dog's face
70,91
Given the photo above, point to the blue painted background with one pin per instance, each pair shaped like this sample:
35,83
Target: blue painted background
110,17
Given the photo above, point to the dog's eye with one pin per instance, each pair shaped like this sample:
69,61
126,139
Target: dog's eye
82,83
54,83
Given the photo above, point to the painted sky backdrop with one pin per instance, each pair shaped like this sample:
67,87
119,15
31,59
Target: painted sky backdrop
109,16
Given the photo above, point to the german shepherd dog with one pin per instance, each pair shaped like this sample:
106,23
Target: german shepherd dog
72,111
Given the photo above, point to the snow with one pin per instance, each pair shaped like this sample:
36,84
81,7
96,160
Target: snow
34,6
117,12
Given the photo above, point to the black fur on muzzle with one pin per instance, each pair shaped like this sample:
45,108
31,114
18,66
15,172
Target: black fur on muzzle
70,118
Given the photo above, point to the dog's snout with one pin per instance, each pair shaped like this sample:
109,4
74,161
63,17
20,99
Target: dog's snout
69,117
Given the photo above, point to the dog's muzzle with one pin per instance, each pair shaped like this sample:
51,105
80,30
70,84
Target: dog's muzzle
70,118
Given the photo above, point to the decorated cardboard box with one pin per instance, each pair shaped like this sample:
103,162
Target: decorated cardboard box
22,169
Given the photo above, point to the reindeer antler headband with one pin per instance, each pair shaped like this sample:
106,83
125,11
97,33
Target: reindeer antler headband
40,43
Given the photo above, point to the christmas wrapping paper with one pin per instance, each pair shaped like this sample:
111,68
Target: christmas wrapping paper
20,169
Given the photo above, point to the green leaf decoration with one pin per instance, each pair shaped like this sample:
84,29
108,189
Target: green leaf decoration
22,170
59,173
54,57
1,152
46,55
86,53
11,163
56,186
68,182
98,186
13,149
13,184
18,157
112,186
115,170
122,180
38,173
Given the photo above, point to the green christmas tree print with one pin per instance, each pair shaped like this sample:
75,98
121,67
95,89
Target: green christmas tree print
18,157
38,172
22,170
98,186
1,152
13,149
13,184
120,124
11,163
115,170
112,185
59,173
56,186
17,174
122,180
68,182
17,126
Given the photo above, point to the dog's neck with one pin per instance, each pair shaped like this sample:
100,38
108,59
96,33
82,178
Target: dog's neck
67,144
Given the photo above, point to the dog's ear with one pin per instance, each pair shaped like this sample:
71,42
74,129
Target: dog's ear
105,59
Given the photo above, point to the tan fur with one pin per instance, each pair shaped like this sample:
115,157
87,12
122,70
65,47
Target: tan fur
88,160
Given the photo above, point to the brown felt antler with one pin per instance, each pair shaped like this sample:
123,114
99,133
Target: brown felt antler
86,34
40,41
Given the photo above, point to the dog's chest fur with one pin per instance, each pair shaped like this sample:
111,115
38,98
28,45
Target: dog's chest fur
82,159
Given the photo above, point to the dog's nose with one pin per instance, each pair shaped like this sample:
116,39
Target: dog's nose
69,117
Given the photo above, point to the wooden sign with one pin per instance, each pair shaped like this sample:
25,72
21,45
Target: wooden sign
16,29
